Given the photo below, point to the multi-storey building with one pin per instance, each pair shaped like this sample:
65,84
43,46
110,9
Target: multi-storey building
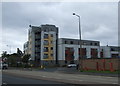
69,50
45,48
43,44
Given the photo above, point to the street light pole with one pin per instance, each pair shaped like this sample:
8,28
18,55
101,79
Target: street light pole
80,57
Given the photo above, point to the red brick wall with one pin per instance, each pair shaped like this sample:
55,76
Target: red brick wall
100,64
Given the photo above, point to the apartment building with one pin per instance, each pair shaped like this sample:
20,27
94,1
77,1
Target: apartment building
69,50
42,44
45,48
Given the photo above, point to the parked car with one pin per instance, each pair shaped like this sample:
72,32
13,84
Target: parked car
4,66
71,65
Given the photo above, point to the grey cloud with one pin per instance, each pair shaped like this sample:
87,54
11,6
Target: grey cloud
98,20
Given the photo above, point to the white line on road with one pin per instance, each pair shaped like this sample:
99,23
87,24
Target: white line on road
4,83
44,76
114,83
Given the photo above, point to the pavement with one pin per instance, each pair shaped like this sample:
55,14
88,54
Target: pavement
71,78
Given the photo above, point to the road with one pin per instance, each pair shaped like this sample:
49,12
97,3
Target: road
11,79
56,77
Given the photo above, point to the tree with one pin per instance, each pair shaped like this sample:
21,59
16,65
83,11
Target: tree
12,59
25,58
19,52
4,54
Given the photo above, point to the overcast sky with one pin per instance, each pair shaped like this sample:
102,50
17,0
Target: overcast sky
99,21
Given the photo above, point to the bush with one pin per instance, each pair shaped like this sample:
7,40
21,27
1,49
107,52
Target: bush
64,65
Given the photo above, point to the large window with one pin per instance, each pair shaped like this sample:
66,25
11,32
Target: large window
69,54
82,52
94,53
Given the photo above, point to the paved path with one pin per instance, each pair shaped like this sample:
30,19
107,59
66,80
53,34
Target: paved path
66,78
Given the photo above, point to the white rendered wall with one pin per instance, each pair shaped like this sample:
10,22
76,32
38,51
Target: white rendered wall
42,45
106,51
61,50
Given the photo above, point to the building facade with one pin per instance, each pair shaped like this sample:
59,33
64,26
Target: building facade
43,44
69,50
110,51
46,49
25,48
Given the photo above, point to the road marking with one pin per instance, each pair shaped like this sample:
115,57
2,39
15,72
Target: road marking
4,83
114,83
43,76
80,80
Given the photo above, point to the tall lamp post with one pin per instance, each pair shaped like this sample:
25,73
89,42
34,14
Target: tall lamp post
80,57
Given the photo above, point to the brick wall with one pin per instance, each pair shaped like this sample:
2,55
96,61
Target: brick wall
100,64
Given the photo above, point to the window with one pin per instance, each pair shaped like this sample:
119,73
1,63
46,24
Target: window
71,42
45,30
84,43
114,55
45,49
45,56
65,42
95,43
114,49
90,43
45,36
45,42
51,35
51,55
51,42
51,48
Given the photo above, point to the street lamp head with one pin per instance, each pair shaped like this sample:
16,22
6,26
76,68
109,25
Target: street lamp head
73,13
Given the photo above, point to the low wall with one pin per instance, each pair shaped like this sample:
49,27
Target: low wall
100,64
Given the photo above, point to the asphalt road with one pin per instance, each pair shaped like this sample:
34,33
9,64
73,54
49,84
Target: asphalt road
66,70
11,79
54,77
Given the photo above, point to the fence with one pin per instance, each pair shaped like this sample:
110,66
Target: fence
111,64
